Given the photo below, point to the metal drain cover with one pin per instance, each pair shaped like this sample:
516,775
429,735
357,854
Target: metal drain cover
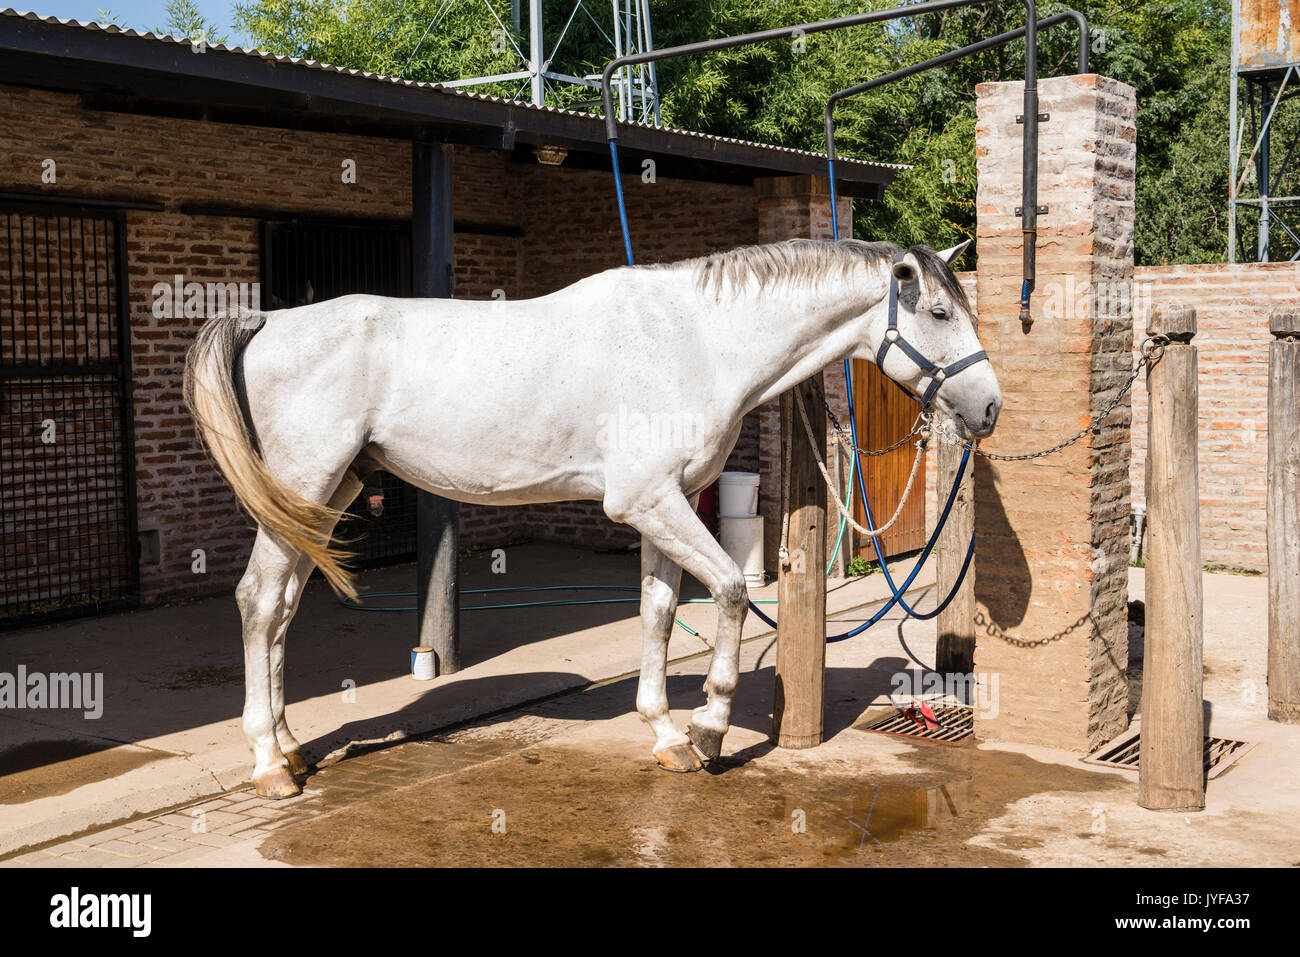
1125,751
955,723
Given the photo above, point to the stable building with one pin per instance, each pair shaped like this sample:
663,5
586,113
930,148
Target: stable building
147,183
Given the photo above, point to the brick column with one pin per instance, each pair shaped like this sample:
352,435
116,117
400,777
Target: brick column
793,207
1051,567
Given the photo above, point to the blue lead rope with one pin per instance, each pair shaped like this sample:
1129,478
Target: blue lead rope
896,593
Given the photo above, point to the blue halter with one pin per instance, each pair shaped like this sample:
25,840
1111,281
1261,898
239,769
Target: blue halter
938,375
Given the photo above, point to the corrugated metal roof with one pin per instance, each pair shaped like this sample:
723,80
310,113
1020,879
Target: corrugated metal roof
416,84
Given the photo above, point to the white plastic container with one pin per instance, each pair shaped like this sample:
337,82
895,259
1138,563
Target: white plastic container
742,539
422,663
738,494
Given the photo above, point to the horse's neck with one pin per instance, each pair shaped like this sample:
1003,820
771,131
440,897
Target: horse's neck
792,333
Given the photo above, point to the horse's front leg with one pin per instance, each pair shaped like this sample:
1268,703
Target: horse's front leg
661,579
667,520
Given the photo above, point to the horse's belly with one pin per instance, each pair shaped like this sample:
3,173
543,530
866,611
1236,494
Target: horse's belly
487,476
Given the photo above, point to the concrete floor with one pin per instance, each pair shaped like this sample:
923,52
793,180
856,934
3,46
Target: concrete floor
568,779
173,682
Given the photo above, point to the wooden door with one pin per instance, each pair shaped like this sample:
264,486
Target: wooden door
884,415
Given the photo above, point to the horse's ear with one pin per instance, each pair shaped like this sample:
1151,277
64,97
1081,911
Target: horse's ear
905,270
950,256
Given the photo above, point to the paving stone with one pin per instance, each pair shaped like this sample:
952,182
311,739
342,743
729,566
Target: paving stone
112,834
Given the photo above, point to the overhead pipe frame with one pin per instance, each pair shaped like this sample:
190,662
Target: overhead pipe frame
1029,209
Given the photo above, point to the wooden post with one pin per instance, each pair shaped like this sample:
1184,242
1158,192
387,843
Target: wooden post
1284,516
437,520
799,703
1171,774
955,651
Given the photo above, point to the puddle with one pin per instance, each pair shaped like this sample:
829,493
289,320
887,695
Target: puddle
40,769
554,806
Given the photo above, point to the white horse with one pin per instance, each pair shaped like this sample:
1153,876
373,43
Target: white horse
508,403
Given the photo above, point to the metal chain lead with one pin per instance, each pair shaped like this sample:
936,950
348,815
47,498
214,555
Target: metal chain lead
1152,350
845,439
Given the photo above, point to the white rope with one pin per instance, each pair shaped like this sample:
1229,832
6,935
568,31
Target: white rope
843,509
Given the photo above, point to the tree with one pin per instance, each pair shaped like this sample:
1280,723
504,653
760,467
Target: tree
186,20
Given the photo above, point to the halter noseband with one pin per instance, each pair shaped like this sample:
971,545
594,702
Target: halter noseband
938,375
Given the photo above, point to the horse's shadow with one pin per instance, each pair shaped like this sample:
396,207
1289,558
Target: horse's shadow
848,693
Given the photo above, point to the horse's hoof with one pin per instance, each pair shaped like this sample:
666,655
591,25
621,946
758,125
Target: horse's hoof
707,741
680,758
276,784
297,763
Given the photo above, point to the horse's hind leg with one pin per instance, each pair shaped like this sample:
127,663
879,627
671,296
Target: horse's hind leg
297,764
661,578
261,597
288,743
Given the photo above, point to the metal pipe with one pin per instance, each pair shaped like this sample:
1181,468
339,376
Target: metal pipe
762,36
944,58
1029,178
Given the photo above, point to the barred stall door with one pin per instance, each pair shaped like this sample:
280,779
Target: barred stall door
884,415
67,476
310,262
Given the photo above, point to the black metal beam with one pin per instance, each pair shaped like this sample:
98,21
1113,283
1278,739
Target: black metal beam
761,36
1029,178
437,519
944,58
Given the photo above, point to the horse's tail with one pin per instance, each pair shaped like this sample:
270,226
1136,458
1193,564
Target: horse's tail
214,403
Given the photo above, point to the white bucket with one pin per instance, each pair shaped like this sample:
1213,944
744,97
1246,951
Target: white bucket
742,539
422,663
738,494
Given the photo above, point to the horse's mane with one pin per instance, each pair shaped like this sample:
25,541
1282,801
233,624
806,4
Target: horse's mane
804,260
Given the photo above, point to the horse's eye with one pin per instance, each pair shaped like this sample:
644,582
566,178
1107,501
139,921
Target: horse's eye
939,312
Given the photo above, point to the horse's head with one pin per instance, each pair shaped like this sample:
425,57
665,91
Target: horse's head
922,336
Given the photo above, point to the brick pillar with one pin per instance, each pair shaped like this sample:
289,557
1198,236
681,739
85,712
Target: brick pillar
1051,567
793,207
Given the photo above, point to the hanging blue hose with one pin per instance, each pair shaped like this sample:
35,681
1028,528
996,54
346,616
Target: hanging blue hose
862,485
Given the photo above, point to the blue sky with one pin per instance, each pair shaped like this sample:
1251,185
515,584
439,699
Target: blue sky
137,14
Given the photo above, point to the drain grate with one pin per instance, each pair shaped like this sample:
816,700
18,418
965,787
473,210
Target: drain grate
956,722
1125,751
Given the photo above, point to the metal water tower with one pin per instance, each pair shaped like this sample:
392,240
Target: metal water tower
637,87
1266,74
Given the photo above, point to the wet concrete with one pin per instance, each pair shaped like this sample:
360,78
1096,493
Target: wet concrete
43,768
554,804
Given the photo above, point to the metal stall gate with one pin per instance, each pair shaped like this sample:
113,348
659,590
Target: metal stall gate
67,470
305,262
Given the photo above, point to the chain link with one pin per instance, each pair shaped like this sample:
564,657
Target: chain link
921,426
1153,348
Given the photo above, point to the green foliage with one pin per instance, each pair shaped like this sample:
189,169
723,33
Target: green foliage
186,20
860,566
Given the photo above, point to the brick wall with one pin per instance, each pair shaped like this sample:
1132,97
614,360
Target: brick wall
1232,304
1051,583
529,230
